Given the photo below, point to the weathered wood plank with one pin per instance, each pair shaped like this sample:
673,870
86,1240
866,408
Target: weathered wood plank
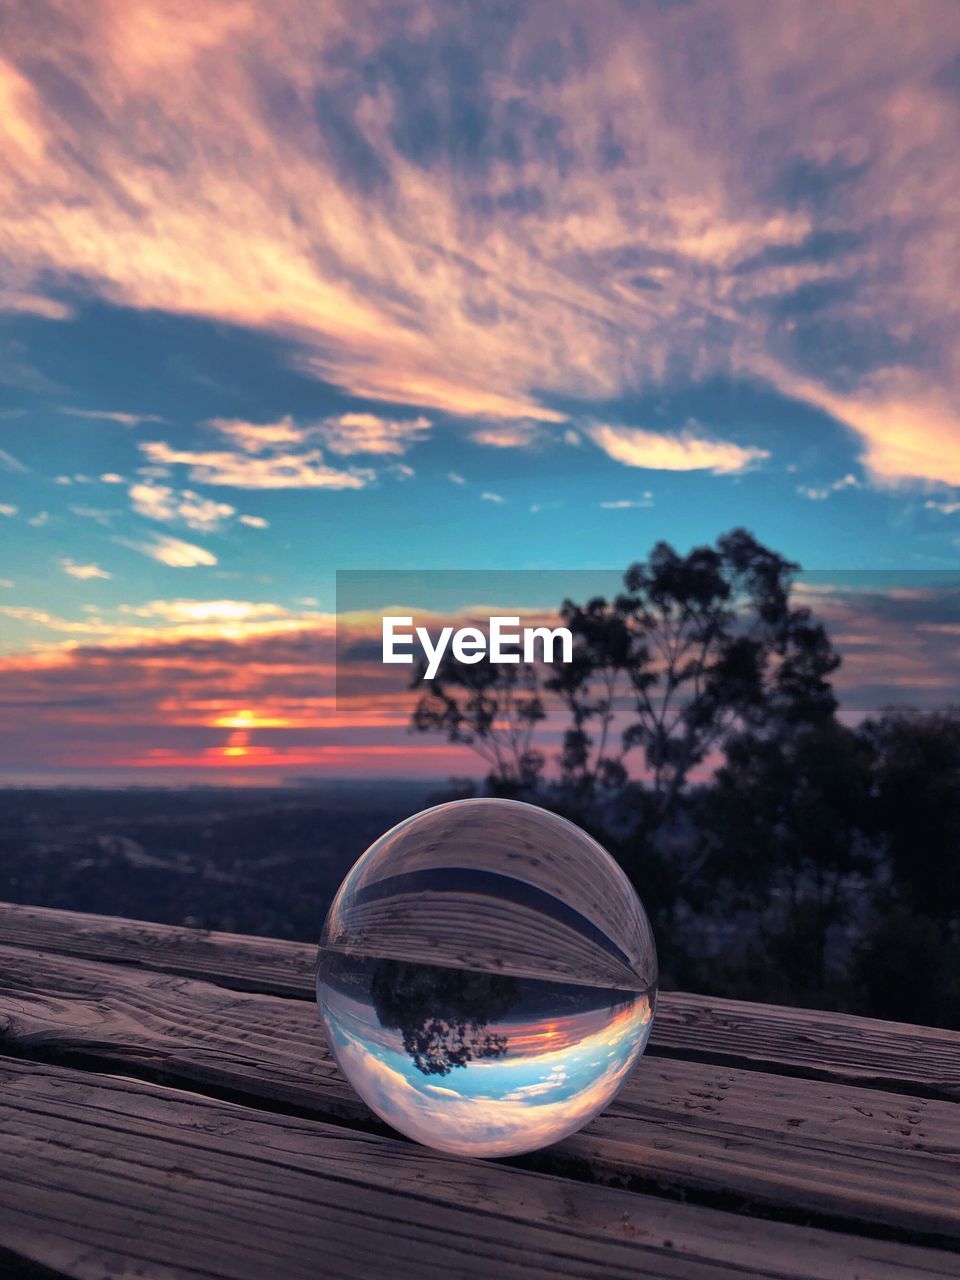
602,940
825,1046
765,1142
810,1042
103,1176
244,963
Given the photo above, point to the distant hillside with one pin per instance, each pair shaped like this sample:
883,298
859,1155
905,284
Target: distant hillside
257,861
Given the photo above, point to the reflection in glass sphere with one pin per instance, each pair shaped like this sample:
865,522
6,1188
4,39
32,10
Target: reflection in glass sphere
487,977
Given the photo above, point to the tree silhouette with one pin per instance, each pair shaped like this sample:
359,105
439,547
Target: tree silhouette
825,855
916,819
694,647
493,708
783,824
442,1014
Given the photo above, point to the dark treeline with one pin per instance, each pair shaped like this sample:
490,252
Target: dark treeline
819,865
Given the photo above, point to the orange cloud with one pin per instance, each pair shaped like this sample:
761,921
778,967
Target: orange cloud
274,471
685,452
160,502
83,571
256,436
172,551
345,434
367,433
186,685
509,435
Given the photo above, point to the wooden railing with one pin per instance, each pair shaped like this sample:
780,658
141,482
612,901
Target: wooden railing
169,1107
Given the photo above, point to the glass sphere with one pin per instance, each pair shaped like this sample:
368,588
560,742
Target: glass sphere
487,977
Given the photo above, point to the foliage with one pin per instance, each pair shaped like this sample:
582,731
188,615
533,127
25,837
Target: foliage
782,854
443,1014
916,793
697,645
493,708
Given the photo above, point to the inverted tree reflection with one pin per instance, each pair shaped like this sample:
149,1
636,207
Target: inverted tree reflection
443,1014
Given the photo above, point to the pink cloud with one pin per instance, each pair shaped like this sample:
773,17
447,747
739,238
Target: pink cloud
652,211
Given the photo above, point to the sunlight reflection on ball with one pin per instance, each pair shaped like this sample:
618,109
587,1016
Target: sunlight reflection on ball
487,977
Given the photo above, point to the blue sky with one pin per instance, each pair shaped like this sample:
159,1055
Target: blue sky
553,502
293,288
554,1076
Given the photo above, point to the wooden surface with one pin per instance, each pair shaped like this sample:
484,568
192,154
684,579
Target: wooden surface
168,1108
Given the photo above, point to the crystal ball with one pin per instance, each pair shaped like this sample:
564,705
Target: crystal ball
487,977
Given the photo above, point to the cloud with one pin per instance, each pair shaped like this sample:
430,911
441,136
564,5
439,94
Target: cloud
488,1119
625,504
275,471
426,216
945,508
108,415
160,502
111,477
98,515
254,522
40,617
813,495
6,583
85,572
455,478
8,509
491,497
891,637
40,519
684,452
254,437
9,462
911,427
164,684
176,611
171,551
193,686
154,694
33,304
173,624
367,433
278,454
510,435
821,494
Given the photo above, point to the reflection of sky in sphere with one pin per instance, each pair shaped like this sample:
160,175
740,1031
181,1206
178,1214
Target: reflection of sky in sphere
556,1074
487,977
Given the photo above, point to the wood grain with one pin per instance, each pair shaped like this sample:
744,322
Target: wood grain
890,1056
106,1176
470,931
799,1149
489,930
243,963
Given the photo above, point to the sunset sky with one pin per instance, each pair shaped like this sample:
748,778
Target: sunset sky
300,287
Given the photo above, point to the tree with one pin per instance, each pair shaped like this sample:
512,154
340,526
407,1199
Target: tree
695,646
442,1014
906,972
493,708
916,791
782,827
